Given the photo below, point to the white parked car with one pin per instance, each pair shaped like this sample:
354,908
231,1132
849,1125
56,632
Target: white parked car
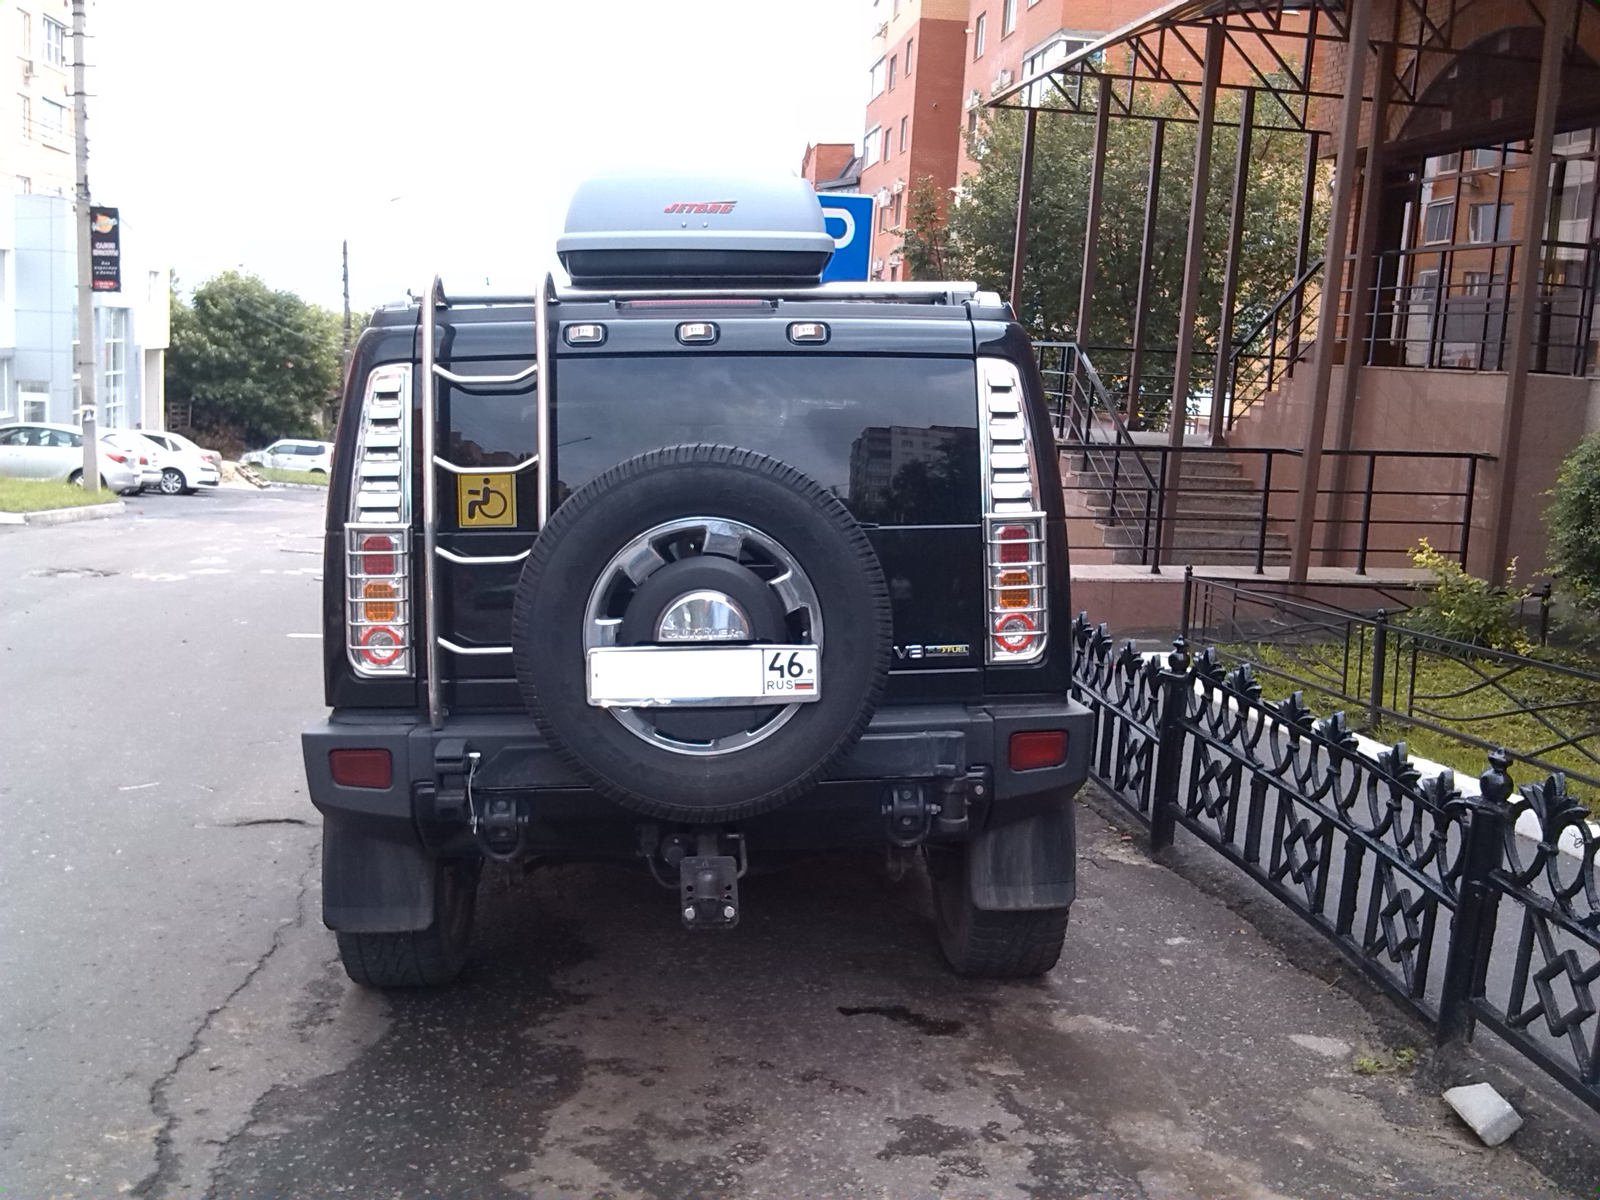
138,451
37,450
294,454
182,466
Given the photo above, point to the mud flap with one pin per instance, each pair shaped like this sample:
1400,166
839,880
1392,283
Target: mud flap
370,885
1027,864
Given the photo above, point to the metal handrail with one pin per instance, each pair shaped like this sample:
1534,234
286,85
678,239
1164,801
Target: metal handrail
496,380
480,560
430,502
458,469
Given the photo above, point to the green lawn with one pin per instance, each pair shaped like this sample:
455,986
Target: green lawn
34,495
1456,695
279,475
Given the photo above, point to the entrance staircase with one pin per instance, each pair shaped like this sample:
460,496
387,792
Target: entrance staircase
1112,509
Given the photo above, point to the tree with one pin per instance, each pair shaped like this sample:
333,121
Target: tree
254,363
923,248
976,238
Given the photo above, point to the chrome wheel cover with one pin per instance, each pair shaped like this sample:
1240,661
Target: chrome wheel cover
643,556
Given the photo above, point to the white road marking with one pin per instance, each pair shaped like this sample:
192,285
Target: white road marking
304,635
138,787
212,571
206,562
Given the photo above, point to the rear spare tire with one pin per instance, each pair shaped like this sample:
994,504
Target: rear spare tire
695,544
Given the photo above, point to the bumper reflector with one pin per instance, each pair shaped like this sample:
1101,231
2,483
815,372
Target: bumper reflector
1038,748
363,768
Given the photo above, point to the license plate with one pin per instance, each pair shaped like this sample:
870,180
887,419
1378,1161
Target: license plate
666,676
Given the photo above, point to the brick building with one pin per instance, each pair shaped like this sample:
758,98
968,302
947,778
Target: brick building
832,166
913,113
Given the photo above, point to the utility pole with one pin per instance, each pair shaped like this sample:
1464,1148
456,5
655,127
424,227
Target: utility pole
86,357
344,356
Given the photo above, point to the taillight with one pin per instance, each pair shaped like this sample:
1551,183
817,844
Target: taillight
378,619
1014,521
115,457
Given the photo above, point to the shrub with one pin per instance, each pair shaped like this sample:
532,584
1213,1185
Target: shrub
1463,607
1573,522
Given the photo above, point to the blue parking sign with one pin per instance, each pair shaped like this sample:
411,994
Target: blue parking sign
849,220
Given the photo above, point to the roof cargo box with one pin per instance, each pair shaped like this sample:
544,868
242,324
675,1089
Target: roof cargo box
689,229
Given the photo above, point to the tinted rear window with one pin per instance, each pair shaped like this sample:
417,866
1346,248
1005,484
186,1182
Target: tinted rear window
894,438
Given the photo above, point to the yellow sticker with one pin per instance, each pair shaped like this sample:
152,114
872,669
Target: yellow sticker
486,500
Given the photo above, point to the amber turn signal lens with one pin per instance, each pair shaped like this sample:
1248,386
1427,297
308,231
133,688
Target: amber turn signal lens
1038,748
380,601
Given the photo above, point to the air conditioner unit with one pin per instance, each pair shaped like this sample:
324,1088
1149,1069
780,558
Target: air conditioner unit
27,69
877,264
899,186
881,197
1003,79
882,31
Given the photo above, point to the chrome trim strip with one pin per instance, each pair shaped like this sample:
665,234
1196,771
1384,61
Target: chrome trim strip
541,354
471,560
457,469
469,380
455,649
430,503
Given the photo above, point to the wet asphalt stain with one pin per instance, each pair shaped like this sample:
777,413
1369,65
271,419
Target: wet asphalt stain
900,1014
449,1101
924,1137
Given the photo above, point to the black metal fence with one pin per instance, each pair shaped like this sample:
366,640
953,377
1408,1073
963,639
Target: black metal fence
1424,885
1405,679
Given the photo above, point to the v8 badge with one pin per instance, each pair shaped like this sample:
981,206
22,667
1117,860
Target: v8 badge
486,500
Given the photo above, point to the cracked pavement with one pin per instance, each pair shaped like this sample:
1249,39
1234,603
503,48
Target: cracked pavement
176,1023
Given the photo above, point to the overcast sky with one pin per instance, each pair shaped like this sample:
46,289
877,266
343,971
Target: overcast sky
437,136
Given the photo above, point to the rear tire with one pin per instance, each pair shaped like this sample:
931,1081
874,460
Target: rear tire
172,482
986,944
423,958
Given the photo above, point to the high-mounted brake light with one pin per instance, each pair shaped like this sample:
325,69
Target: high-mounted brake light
1013,522
378,624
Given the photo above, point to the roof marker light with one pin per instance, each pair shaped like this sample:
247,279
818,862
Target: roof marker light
697,332
585,335
808,331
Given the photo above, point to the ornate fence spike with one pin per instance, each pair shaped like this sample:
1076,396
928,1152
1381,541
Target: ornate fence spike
1292,711
1396,763
1207,667
1333,730
1242,679
1100,642
1129,660
1080,629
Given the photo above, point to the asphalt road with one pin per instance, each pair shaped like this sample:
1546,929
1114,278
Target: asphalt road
174,1021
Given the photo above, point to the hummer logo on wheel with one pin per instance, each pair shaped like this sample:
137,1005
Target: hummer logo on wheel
486,501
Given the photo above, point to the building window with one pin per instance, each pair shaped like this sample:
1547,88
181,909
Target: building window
27,118
905,123
894,62
888,143
869,147
1008,17
883,218
55,43
8,406
55,120
972,122
898,196
875,79
1438,224
1046,56
35,398
116,360
908,57
1488,222
977,34
24,185
27,34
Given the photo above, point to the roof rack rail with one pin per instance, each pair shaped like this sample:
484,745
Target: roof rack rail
935,292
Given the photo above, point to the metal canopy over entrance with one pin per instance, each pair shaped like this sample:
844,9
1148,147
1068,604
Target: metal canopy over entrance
1375,85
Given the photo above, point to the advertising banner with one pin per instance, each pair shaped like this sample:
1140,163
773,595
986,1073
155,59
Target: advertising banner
105,250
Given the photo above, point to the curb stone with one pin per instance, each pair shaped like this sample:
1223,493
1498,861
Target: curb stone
64,516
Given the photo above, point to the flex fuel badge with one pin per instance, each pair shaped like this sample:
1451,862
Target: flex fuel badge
486,501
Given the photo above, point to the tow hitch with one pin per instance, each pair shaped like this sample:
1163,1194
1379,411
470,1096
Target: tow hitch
708,880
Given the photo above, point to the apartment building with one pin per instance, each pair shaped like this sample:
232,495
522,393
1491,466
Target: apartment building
36,130
832,166
913,125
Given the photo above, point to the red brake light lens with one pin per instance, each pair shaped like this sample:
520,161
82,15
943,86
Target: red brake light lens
115,457
378,555
361,768
1038,748
1013,541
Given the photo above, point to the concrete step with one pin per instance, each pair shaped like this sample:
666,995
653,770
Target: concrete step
1193,466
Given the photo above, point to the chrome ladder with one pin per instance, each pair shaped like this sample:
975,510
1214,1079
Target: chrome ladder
436,300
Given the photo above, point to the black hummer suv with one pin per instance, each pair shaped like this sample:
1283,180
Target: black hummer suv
701,564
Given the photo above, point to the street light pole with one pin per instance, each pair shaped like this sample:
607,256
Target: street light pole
86,357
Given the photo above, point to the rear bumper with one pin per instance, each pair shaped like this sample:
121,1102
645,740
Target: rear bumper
921,742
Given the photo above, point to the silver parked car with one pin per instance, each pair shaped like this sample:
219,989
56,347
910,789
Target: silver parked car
293,454
37,450
138,450
182,466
